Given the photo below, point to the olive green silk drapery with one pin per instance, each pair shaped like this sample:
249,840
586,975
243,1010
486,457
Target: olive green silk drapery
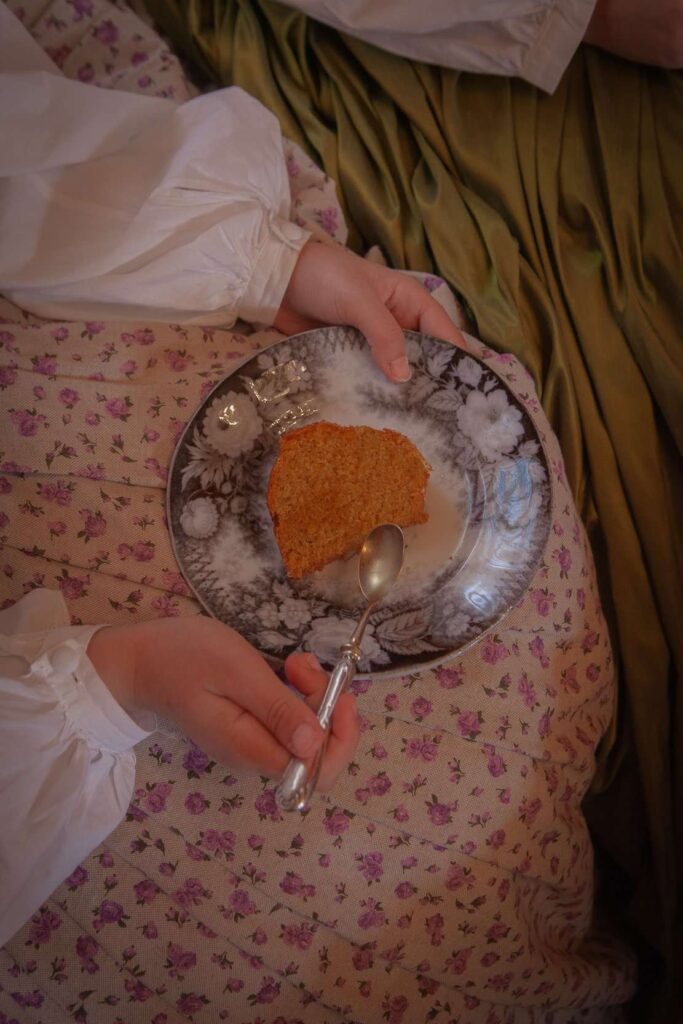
559,220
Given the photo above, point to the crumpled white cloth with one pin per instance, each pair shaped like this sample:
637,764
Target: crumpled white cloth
65,754
120,206
531,39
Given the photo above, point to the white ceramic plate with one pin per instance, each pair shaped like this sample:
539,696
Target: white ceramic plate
488,500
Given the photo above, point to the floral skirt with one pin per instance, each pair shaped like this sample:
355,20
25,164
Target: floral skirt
448,876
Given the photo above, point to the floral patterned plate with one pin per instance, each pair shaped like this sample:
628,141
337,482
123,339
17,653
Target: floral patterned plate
488,500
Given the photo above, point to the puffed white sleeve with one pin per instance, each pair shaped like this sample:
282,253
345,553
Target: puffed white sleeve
67,766
531,39
128,207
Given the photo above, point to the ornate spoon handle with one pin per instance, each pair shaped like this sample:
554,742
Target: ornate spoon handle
297,783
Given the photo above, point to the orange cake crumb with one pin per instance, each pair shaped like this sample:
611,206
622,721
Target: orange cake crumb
331,485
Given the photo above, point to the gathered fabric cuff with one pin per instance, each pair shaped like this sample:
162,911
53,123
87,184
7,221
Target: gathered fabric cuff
56,653
274,266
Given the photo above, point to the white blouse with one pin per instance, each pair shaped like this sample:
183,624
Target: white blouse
126,207
67,768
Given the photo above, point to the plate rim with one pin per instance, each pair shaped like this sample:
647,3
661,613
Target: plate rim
379,675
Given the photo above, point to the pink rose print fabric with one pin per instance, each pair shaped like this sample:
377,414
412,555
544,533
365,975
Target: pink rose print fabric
448,877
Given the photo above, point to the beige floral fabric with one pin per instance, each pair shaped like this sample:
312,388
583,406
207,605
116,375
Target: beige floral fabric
448,877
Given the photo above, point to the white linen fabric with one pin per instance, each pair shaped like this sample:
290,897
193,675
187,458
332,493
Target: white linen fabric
121,206
531,39
66,753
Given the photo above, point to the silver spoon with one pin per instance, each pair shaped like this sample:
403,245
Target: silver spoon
381,559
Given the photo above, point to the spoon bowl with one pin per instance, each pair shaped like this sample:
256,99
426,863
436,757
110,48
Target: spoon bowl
381,559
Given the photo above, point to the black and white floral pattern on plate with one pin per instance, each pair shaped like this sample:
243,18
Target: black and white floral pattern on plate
489,500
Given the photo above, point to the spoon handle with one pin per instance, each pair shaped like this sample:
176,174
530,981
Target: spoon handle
297,783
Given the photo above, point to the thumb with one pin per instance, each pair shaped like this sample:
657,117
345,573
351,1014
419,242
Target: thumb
383,334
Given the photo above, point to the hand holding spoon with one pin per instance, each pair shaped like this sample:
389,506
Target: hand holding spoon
380,562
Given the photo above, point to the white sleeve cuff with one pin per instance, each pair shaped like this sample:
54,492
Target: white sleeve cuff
56,653
274,266
83,696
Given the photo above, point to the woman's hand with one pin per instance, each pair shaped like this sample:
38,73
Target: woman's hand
219,690
331,285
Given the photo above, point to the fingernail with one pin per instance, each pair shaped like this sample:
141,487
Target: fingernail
400,369
304,740
312,662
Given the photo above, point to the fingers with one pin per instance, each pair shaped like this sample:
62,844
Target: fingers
383,334
228,700
234,737
304,671
434,320
397,302
254,688
253,720
415,309
332,285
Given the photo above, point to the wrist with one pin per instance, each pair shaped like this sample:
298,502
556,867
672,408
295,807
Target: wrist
272,272
113,653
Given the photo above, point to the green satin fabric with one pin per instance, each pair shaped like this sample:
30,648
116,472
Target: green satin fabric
559,220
